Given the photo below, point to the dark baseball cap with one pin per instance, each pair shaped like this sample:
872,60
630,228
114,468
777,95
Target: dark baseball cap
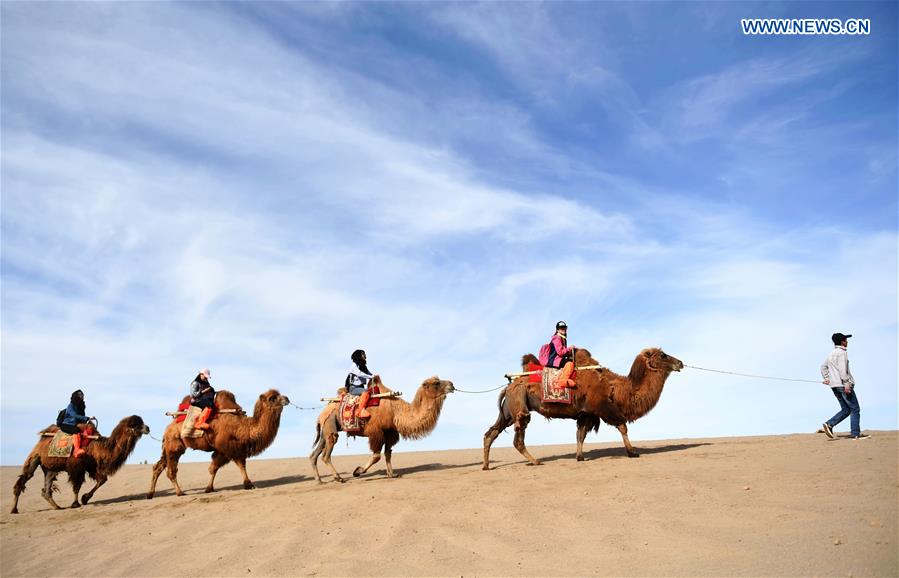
838,338
561,325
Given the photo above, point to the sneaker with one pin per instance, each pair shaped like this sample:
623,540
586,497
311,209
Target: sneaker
860,437
828,430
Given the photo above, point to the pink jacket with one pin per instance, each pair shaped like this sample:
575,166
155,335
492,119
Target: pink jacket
560,349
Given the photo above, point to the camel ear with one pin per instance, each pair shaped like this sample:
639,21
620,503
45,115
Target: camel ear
647,353
376,379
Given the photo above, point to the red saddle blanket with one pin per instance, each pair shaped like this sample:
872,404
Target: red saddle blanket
185,405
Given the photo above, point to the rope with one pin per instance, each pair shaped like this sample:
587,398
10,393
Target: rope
481,390
305,408
154,437
751,375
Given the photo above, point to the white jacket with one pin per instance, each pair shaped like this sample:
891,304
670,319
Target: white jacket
836,368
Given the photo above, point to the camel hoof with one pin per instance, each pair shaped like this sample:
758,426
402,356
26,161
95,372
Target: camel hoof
14,511
633,455
357,472
249,486
208,490
485,467
75,504
580,458
537,463
149,495
179,493
340,480
85,499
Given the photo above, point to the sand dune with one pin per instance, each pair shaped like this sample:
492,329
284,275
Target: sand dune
780,505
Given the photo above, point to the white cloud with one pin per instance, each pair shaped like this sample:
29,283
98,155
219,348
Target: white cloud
177,200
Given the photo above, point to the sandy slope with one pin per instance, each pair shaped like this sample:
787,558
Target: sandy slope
783,505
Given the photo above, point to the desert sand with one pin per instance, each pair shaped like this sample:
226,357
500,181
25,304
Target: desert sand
797,505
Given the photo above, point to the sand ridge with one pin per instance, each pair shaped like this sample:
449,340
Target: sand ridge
796,505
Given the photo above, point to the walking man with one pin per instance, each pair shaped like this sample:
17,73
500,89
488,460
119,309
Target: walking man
835,371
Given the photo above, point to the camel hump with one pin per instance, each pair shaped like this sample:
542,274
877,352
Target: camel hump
376,380
224,399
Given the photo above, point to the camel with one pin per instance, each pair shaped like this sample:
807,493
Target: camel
600,395
103,458
231,437
391,419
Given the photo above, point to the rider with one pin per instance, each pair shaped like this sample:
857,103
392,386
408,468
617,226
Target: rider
561,356
358,381
202,395
75,422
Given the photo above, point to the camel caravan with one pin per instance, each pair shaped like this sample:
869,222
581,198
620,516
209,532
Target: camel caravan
562,382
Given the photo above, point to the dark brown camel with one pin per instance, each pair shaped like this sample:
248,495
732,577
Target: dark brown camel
601,395
103,457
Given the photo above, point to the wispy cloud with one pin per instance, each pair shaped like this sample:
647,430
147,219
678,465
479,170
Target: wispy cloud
173,198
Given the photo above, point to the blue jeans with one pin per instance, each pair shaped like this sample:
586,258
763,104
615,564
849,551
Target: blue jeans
848,407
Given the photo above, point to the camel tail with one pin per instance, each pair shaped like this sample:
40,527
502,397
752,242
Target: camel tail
503,420
318,434
501,399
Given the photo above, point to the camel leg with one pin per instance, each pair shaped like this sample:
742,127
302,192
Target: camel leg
521,424
631,452
316,452
49,487
158,468
27,473
172,469
583,426
330,442
219,460
77,481
242,466
101,479
390,440
502,422
375,443
375,458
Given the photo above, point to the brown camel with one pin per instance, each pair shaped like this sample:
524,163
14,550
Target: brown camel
600,395
391,419
103,458
231,437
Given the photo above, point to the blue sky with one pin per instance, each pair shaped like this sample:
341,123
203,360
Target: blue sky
263,187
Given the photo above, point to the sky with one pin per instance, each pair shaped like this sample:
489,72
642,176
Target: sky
261,188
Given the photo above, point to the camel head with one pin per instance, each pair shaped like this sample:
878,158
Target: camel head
657,360
436,387
274,398
136,426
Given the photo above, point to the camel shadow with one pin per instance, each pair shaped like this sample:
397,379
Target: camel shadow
260,484
618,452
611,452
401,472
130,498
271,483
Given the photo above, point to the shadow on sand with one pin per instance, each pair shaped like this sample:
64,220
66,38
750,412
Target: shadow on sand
400,472
260,484
612,452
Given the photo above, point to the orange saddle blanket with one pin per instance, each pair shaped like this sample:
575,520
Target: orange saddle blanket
347,412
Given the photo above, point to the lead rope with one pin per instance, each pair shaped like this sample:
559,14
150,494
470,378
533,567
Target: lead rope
305,408
752,375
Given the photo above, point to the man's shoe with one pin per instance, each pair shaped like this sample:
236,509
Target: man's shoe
861,437
828,430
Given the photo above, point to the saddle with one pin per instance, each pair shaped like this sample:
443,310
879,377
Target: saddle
348,409
551,390
61,445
